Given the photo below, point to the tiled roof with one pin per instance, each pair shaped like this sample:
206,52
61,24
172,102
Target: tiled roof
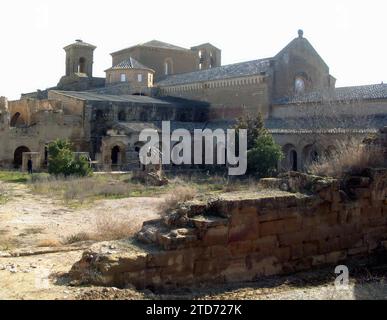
160,44
223,72
157,125
91,96
367,92
80,43
155,44
130,63
327,123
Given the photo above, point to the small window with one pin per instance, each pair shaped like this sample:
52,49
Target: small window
299,85
166,68
123,77
139,77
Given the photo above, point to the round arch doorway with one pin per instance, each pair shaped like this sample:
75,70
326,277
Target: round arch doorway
116,157
18,156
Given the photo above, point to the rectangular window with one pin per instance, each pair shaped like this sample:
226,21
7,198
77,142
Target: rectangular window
139,77
123,77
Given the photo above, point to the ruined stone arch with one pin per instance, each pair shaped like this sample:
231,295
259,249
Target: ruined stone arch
17,120
310,154
18,156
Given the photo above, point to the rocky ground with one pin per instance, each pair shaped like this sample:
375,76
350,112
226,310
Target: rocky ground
29,270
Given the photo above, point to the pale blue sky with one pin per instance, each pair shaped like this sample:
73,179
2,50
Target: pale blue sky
349,35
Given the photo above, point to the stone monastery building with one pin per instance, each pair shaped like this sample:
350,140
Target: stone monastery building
157,81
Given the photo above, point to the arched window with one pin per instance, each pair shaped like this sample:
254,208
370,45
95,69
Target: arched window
299,85
82,65
122,116
168,66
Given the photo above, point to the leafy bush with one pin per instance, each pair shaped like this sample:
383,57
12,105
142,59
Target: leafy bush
61,160
263,153
254,126
262,159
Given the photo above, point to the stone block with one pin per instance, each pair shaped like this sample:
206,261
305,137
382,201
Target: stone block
280,226
290,239
336,256
358,251
215,236
296,251
240,247
244,231
318,260
310,248
265,244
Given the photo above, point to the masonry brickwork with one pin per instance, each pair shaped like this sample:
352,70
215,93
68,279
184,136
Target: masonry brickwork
242,237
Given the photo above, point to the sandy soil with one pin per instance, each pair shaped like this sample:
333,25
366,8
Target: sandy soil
27,219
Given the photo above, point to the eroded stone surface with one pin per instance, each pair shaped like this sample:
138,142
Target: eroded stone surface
243,236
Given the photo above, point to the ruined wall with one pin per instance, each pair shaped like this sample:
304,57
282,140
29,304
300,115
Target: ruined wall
242,237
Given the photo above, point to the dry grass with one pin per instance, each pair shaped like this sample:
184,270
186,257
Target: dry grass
106,228
49,243
352,157
82,189
179,195
3,194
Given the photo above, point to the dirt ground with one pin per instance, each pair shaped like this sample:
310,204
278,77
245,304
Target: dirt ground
27,219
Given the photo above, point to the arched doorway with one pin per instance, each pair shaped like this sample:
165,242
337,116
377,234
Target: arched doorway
122,116
116,157
17,120
293,160
310,155
18,156
290,161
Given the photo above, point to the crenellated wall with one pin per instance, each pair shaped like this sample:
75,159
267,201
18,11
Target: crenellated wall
296,222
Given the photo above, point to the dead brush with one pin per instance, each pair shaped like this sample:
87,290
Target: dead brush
352,157
106,228
179,195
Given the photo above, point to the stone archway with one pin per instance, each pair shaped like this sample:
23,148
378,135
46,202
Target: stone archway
17,120
18,156
116,155
310,154
290,161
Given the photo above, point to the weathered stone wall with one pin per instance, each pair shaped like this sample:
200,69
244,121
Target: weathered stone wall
229,98
241,237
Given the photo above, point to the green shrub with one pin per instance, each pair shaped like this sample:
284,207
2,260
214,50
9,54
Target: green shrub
61,160
262,159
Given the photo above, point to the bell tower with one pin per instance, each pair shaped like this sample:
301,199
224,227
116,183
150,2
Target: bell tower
208,55
79,59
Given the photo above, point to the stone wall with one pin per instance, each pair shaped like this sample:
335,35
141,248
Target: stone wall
311,222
